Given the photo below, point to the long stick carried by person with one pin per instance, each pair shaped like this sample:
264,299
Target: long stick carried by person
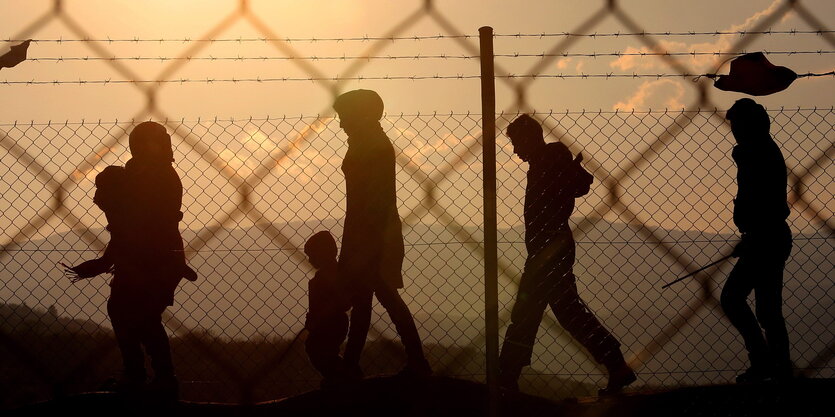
697,271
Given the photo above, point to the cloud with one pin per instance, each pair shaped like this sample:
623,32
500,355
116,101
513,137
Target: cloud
664,93
668,93
701,62
563,63
633,62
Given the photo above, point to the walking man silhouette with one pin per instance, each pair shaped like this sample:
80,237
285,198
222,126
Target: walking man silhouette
372,252
554,181
760,212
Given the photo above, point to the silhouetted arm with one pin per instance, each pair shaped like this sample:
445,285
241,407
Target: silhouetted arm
380,199
91,268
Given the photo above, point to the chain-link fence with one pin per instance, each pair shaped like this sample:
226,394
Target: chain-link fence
255,190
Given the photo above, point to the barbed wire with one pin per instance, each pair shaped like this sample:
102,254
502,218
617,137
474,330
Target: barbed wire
240,384
666,33
412,57
642,54
425,37
371,78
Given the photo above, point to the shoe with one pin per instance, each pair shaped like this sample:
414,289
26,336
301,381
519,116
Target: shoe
123,384
333,383
354,373
166,388
755,374
619,377
509,381
416,369
509,385
784,372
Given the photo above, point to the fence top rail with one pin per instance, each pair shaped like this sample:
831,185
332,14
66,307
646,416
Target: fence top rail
279,118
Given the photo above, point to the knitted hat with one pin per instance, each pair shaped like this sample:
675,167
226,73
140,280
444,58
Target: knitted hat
359,104
149,141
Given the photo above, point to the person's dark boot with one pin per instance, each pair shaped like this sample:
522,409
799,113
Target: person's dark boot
333,383
620,375
126,383
509,379
354,372
756,374
418,368
165,388
784,372
762,369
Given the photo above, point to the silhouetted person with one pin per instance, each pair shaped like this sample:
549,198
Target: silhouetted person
327,318
554,181
146,251
372,244
760,212
109,197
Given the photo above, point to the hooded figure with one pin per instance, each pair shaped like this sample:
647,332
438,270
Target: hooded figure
760,212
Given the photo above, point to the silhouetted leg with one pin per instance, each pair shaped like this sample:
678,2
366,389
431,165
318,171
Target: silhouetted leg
735,305
323,358
164,385
521,333
403,322
576,318
769,307
322,347
157,344
127,337
360,323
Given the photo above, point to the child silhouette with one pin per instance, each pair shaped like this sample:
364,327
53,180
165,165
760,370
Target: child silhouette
327,318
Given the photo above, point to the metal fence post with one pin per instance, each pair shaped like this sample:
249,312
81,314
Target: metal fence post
491,280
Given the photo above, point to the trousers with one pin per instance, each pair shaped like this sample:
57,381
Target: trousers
760,269
137,323
397,310
549,281
323,343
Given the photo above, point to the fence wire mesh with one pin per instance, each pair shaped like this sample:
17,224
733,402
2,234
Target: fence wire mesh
256,189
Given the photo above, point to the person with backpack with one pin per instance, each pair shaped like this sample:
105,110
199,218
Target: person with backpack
555,179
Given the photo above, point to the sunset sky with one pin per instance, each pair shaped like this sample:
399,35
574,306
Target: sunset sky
350,19
260,161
